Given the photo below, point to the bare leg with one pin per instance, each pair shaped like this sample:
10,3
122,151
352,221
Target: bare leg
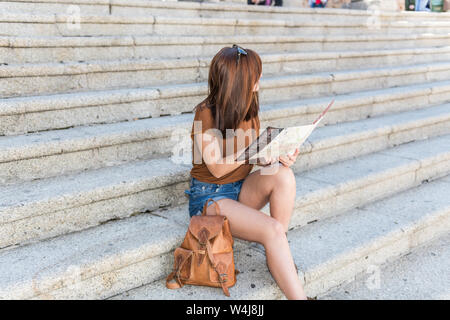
250,224
279,189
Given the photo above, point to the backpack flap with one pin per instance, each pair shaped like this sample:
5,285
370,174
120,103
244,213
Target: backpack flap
205,228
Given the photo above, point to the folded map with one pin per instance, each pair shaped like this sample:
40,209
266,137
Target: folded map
273,142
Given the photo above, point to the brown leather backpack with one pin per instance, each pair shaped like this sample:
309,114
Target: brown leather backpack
205,257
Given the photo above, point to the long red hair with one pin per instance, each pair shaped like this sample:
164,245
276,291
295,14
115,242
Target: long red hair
230,88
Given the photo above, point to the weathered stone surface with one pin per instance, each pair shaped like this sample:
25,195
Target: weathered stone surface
13,23
420,275
332,195
331,252
50,153
52,78
37,113
91,198
229,8
35,49
91,207
41,269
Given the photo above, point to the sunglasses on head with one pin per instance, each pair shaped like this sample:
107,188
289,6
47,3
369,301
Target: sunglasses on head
239,52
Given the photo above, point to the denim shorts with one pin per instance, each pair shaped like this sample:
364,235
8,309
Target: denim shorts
199,192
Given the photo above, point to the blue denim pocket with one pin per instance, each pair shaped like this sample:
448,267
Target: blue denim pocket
199,192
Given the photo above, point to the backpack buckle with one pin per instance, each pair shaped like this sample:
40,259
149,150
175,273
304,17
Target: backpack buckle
222,277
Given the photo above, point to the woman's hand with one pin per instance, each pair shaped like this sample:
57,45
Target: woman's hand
264,162
289,159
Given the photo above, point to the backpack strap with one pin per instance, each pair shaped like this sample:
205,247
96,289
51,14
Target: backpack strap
176,274
222,279
206,205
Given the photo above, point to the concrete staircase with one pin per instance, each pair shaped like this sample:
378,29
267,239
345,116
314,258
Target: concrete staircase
422,274
91,205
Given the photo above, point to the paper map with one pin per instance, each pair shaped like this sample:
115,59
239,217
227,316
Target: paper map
274,142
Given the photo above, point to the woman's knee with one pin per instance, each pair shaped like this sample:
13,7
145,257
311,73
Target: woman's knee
274,231
285,177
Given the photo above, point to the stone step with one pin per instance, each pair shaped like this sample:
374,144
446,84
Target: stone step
74,202
243,10
57,6
36,49
40,113
420,275
51,153
30,81
52,77
93,264
204,9
333,251
21,24
118,256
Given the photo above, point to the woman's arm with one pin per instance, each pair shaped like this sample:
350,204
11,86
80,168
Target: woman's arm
212,155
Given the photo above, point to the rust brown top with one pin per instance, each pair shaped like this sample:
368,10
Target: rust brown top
201,171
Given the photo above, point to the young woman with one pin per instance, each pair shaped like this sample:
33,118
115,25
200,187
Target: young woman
224,119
